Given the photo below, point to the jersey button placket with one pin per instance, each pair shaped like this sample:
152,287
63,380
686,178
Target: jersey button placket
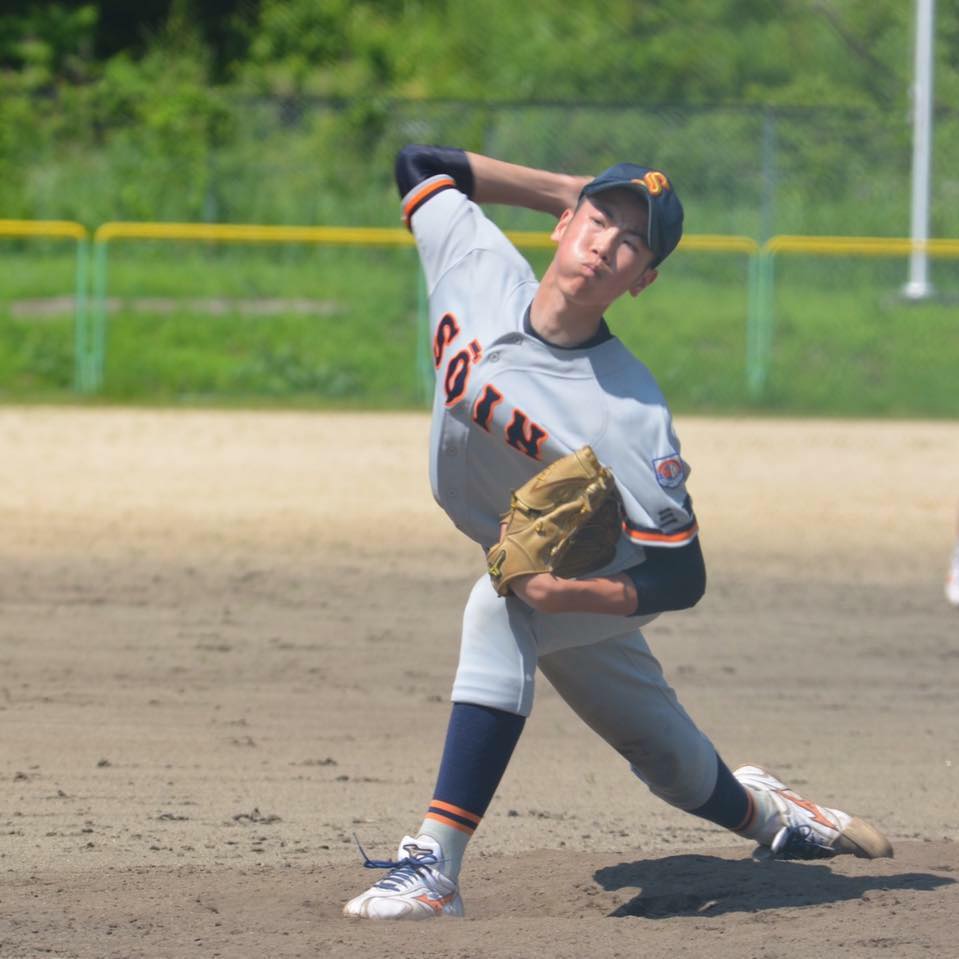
453,449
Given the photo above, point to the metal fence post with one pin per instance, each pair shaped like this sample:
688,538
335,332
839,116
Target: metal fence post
759,322
96,354
81,327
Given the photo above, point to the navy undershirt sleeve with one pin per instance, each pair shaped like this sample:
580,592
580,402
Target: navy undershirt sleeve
669,579
415,163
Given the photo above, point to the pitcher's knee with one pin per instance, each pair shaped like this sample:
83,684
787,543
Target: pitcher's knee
682,774
510,691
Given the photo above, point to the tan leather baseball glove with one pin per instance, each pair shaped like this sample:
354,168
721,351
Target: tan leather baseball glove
566,521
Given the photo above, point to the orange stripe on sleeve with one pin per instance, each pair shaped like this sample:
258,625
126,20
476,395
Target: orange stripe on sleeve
651,536
425,193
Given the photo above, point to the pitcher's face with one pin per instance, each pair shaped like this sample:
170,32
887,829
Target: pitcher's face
602,251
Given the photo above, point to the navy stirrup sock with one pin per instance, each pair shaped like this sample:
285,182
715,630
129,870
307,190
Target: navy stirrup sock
479,743
730,805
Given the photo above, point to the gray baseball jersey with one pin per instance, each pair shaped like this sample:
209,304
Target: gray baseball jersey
507,404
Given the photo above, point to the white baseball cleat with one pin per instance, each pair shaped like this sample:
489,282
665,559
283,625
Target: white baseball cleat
952,584
786,826
413,889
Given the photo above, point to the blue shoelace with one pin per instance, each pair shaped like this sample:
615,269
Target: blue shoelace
801,842
402,871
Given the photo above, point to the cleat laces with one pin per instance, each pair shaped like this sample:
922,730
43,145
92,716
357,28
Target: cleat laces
404,872
800,842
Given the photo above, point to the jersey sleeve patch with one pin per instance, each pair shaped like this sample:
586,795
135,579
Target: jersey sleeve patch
671,471
424,192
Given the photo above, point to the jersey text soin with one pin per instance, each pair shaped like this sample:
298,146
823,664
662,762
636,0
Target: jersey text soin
522,433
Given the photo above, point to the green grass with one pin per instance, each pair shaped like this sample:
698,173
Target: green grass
342,332
355,345
847,343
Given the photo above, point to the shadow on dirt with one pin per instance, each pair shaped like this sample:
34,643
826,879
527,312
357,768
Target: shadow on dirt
692,885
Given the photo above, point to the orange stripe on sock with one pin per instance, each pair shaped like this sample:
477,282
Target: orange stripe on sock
451,822
457,810
750,814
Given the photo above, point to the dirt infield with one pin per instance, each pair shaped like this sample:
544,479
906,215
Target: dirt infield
227,642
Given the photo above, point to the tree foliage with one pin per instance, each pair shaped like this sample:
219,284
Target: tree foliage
166,96
805,52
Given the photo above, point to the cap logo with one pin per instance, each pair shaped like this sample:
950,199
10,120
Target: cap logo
654,182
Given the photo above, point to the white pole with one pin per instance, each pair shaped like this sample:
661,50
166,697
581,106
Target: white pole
919,287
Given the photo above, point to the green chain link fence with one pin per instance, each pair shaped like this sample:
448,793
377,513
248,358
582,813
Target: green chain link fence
349,316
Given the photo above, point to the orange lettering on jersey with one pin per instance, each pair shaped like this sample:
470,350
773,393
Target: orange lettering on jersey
457,376
525,435
446,331
483,407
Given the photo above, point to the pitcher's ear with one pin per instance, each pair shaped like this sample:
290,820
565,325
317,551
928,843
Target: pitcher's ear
562,223
648,277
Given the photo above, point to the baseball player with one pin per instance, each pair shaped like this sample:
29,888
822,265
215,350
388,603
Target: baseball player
527,372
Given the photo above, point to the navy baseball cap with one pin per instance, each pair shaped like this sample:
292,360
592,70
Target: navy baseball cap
665,211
